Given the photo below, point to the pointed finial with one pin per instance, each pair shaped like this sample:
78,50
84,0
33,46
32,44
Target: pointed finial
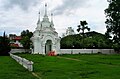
45,9
45,4
52,20
51,17
38,17
39,14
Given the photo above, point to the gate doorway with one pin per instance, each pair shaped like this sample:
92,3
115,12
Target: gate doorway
48,46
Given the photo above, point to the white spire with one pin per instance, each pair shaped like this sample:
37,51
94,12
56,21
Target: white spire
52,20
38,18
39,15
46,19
51,17
45,10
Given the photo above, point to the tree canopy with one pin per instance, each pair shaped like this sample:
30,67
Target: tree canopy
82,27
91,40
4,45
26,35
113,21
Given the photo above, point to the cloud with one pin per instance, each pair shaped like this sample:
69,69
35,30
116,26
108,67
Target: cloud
15,20
18,15
69,5
23,4
71,15
10,30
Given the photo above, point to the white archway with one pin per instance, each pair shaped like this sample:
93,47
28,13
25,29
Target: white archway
48,46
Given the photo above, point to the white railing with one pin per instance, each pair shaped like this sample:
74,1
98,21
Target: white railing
24,62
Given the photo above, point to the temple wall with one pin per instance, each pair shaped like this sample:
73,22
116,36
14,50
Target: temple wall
88,51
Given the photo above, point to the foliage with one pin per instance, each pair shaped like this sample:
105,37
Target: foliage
4,45
91,40
83,26
26,42
116,46
26,35
113,20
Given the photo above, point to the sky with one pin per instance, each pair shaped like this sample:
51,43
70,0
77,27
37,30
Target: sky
19,15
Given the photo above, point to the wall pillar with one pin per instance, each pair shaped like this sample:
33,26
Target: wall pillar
43,49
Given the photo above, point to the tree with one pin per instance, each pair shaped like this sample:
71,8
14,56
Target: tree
4,45
83,26
92,40
26,35
113,21
68,42
26,42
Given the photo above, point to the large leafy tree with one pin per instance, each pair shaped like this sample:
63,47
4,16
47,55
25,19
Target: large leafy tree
113,21
82,27
4,45
26,35
92,40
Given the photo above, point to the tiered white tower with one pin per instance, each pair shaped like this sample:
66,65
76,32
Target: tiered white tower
45,38
70,31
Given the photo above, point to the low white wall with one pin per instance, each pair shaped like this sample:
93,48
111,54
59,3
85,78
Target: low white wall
81,51
24,62
73,51
19,50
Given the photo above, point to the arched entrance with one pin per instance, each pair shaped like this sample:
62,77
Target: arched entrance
48,46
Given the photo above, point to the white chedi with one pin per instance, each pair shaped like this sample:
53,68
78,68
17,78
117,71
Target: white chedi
45,38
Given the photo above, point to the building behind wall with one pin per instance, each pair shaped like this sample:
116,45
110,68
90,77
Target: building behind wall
69,31
15,41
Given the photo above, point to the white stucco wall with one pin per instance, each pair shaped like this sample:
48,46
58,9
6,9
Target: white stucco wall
88,51
19,50
36,47
74,51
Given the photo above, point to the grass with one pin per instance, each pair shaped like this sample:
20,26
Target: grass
76,66
10,69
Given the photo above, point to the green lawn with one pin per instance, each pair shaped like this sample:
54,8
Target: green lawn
76,66
10,69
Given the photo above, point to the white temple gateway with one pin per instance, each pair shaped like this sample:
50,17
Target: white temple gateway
45,38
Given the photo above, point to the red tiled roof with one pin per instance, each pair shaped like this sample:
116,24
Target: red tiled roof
18,38
14,45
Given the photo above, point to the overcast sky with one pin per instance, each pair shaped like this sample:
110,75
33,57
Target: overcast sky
19,15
